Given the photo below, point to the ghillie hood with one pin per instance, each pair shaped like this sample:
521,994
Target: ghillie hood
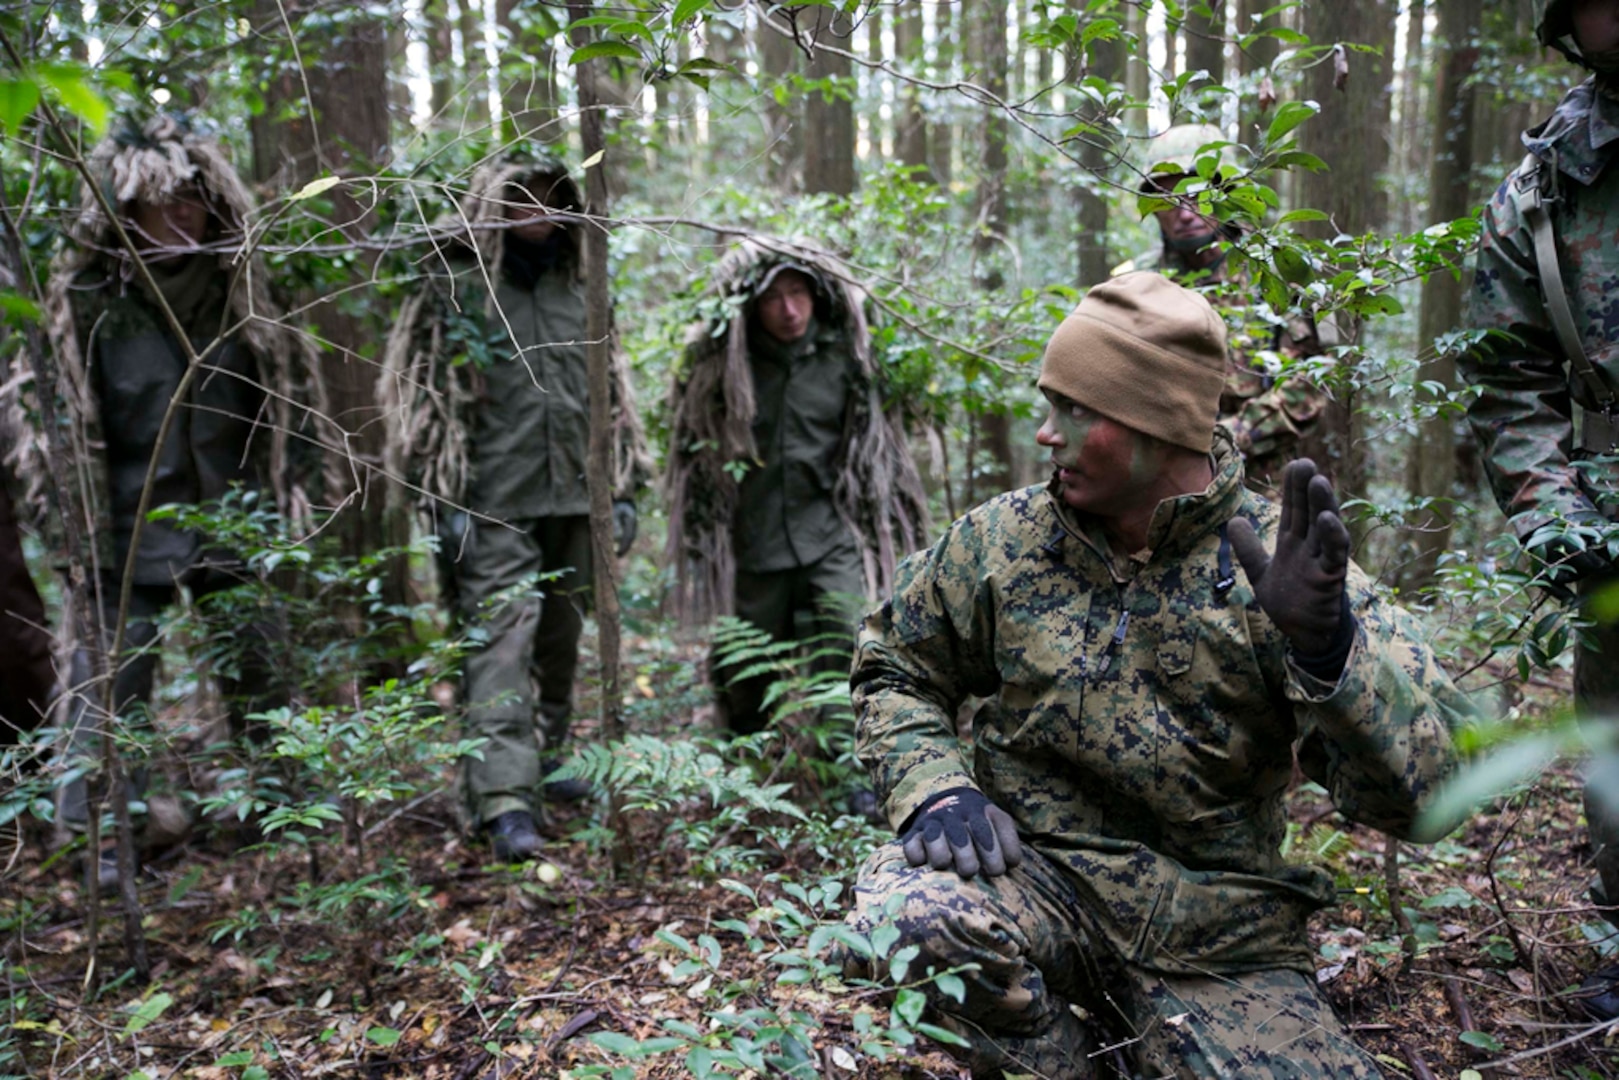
428,398
151,162
878,491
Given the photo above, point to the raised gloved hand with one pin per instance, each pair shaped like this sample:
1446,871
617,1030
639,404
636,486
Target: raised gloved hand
1301,587
625,526
963,830
1566,552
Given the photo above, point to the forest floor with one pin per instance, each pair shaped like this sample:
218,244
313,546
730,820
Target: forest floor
448,967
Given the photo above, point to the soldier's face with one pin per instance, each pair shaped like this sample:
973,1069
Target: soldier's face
785,307
1596,25
1102,467
527,213
173,226
1184,227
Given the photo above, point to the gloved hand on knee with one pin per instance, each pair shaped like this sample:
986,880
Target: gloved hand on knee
960,829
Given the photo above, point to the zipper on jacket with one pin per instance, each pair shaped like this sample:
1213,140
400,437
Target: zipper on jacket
1114,642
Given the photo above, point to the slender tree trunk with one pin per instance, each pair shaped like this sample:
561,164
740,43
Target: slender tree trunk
1431,471
779,59
440,52
828,112
911,141
989,36
475,63
1352,136
1413,115
340,128
1253,62
946,61
1205,50
878,132
1138,69
1097,154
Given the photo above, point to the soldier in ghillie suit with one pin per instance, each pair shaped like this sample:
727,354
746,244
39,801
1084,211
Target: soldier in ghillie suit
1545,411
1268,415
783,388
27,675
120,363
487,393
1115,845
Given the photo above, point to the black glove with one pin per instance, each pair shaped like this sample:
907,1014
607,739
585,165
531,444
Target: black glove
961,829
1301,587
625,524
1570,552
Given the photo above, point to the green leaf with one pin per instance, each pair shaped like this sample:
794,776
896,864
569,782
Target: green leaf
17,99
1301,215
908,1006
315,187
686,9
77,94
951,986
1483,1040
235,1059
596,49
17,310
148,1011
382,1036
255,1072
1307,162
700,1062
1289,116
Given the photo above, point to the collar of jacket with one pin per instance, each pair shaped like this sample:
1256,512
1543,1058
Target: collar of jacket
1582,134
1177,524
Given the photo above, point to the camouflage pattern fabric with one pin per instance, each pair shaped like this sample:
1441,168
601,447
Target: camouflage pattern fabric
1142,718
1267,416
1523,414
1045,1000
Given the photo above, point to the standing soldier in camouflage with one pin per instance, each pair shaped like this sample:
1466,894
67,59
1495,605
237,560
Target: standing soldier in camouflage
1548,268
1268,415
487,395
1115,845
783,390
121,363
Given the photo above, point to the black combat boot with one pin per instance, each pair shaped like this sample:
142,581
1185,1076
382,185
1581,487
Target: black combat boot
514,837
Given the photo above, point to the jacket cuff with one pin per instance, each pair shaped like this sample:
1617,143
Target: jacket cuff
923,783
1308,685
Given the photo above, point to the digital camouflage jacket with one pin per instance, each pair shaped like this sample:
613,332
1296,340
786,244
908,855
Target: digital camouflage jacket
1142,717
1523,414
1266,415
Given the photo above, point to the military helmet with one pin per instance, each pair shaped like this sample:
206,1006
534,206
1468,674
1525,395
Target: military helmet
1175,152
1552,27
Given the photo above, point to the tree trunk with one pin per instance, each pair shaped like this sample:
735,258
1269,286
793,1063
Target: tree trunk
1352,136
989,38
440,53
946,57
474,62
1413,84
828,112
779,60
911,135
341,128
1138,69
1097,154
1252,17
1205,51
1431,466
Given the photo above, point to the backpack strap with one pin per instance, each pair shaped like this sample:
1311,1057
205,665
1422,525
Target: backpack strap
1534,189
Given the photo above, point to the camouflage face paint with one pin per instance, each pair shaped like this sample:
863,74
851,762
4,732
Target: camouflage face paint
1073,423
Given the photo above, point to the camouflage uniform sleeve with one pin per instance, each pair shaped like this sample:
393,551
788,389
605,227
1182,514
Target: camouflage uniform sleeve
917,658
1522,415
1380,741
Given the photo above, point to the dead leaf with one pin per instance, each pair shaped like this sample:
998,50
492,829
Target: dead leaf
1267,93
1340,66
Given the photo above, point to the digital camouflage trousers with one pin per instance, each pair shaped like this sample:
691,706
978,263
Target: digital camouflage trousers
1044,1002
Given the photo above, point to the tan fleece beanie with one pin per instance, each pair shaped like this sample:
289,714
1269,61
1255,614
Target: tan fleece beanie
1146,352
